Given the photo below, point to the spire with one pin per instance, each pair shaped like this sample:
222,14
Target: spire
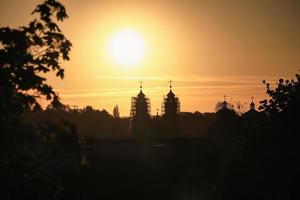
141,85
224,104
141,94
252,105
171,94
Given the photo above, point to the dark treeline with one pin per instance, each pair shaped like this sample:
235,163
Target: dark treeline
99,124
61,153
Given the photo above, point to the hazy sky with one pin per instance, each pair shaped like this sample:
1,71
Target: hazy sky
208,48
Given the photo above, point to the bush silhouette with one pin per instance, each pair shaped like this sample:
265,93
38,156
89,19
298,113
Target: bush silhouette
29,52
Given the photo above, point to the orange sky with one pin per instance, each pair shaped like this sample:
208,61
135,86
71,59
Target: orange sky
208,49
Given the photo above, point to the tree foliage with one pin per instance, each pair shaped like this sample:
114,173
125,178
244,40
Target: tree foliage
266,163
27,54
34,159
284,98
116,112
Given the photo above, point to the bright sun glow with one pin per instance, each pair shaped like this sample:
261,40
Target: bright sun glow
127,48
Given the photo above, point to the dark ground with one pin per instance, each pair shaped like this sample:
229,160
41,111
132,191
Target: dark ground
157,169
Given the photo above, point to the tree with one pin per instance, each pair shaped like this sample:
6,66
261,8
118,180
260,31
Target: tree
88,109
265,162
284,98
35,159
116,112
27,54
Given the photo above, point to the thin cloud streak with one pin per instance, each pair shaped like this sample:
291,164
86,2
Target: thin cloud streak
195,93
192,78
197,86
180,90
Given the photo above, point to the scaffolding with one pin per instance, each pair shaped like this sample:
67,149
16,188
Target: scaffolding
170,102
140,106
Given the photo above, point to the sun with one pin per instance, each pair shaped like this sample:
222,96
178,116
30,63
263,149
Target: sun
127,48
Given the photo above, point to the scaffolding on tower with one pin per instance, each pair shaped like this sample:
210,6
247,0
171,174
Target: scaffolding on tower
166,100
137,102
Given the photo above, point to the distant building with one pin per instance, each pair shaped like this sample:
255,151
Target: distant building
170,113
225,122
252,105
252,111
140,115
224,105
253,118
171,105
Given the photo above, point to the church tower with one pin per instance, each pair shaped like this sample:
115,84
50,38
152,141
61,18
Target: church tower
171,105
140,114
170,112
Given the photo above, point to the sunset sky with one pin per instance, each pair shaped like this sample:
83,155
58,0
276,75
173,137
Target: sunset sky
207,48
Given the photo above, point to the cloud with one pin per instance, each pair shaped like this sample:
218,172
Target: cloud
191,86
216,79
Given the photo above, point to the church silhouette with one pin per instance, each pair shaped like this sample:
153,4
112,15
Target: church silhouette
140,113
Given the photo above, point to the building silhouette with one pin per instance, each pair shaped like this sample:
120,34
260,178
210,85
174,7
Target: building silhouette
253,119
224,105
171,105
170,113
140,115
252,112
252,105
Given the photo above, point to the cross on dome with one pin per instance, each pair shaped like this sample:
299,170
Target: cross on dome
141,85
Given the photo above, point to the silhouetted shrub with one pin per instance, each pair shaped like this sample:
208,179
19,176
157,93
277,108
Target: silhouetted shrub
264,164
35,160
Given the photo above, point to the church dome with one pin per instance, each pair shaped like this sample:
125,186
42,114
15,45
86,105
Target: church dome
171,94
141,94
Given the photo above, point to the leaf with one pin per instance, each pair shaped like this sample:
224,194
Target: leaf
60,73
53,27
